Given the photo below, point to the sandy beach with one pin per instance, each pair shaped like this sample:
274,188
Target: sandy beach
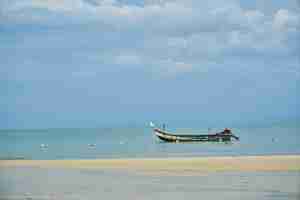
197,164
250,177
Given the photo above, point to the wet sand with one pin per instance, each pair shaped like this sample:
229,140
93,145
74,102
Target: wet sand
31,183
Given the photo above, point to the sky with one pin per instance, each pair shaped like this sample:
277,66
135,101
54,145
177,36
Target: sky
93,63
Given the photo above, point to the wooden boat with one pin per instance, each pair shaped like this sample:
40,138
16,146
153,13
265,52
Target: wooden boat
224,136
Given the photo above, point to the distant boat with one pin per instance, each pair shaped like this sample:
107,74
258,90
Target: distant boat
224,136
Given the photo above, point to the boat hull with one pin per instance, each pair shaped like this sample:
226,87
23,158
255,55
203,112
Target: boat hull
168,137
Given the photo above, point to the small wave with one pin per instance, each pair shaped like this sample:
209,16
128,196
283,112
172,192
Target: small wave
13,158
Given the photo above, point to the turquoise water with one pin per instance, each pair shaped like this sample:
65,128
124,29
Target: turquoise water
140,142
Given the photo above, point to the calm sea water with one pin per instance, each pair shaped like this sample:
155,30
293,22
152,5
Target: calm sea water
140,142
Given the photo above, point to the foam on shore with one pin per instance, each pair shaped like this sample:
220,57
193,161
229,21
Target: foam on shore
199,164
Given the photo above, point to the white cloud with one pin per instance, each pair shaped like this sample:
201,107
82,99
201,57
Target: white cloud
285,20
54,5
177,34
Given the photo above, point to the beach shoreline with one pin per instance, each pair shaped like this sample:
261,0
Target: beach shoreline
194,164
252,177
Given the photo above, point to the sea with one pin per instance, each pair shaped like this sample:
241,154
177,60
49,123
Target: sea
140,142
17,183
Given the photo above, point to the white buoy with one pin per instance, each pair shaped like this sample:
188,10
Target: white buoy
91,145
43,146
152,125
28,196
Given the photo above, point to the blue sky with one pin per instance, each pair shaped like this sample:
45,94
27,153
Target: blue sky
90,63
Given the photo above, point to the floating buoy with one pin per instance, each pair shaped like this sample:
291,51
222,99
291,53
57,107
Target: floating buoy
43,146
91,145
122,142
28,196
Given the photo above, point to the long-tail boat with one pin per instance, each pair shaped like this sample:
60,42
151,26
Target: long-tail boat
224,136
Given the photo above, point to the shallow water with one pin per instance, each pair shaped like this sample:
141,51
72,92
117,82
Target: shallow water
140,142
73,184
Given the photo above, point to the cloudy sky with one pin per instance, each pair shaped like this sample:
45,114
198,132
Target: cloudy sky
91,63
